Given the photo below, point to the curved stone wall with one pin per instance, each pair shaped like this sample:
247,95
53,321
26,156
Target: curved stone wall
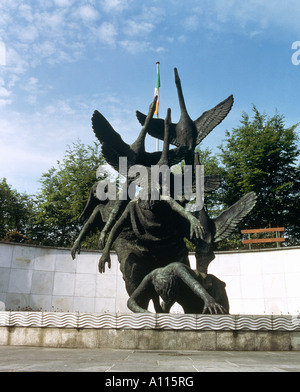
47,279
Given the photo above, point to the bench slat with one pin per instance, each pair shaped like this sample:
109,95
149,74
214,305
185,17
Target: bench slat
261,240
269,230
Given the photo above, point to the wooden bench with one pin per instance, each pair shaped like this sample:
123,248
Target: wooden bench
276,230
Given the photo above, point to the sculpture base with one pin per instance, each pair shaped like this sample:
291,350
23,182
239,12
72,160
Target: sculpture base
150,331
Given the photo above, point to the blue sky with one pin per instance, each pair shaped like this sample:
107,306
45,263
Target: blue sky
62,59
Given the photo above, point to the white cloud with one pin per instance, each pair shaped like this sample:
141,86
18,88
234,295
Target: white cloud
107,33
33,89
133,27
154,14
135,46
16,62
46,48
5,102
87,13
51,23
27,33
251,17
65,108
25,12
63,3
4,92
32,142
160,49
115,5
191,23
257,13
27,164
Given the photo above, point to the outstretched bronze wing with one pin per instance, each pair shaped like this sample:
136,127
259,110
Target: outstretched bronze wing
212,183
211,118
157,128
113,146
204,124
226,223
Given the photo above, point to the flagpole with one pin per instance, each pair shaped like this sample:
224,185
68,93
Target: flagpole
156,93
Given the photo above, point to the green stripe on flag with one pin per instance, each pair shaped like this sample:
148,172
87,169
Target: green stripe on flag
157,84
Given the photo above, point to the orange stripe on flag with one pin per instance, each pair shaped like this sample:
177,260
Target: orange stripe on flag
156,91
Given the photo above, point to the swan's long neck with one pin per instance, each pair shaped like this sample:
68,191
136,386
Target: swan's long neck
179,91
139,145
164,155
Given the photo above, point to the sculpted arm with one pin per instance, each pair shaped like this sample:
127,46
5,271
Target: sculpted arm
105,258
110,221
144,289
90,223
209,303
196,229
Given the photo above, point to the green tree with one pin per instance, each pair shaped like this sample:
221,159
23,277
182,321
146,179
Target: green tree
15,211
261,156
63,195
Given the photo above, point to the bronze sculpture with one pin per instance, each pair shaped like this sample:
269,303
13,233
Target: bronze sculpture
188,133
178,283
148,234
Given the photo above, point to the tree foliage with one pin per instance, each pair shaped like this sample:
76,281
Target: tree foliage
63,195
261,156
15,210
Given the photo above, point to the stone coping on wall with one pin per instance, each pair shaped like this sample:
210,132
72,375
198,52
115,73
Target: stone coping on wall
191,253
153,321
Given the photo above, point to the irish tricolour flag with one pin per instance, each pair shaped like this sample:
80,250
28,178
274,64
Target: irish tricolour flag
156,91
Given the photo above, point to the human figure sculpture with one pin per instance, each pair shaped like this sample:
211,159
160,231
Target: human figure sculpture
154,231
178,283
149,234
99,214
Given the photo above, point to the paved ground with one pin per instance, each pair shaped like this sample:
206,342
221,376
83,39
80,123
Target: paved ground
34,359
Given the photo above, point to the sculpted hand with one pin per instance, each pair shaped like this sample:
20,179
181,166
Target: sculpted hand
105,258
212,306
196,229
76,248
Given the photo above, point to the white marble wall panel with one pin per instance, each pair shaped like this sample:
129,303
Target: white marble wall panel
265,282
47,279
42,282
